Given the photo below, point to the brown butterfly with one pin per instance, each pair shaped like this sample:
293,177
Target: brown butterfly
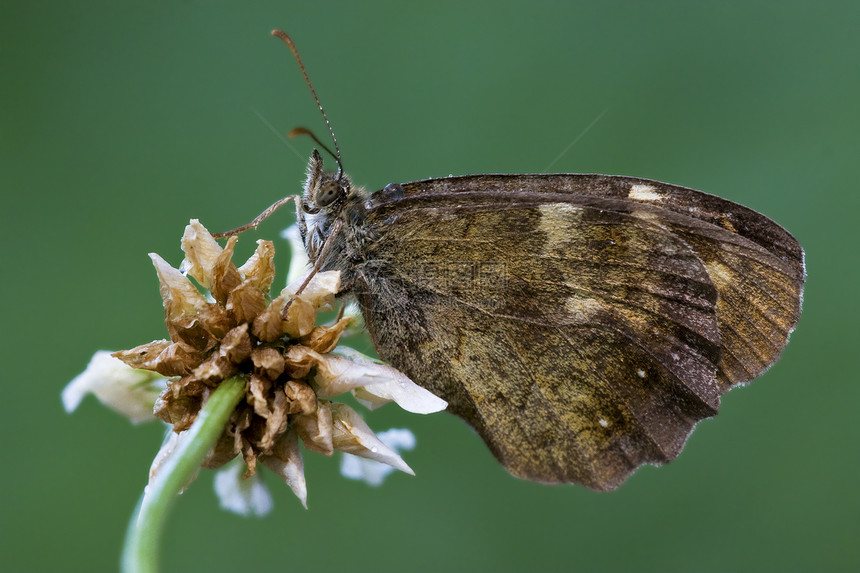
582,324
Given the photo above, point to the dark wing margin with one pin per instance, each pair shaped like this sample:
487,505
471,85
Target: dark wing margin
582,324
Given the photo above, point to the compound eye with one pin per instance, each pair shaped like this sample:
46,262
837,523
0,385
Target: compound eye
328,193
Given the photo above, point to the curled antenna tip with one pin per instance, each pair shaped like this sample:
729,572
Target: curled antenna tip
305,131
281,35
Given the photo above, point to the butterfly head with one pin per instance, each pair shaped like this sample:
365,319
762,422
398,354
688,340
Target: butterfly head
324,191
326,194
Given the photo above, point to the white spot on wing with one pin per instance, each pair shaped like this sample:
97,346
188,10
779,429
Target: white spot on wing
582,310
602,422
720,274
644,193
640,373
555,216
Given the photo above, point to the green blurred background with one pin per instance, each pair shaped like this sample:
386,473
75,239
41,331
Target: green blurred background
119,121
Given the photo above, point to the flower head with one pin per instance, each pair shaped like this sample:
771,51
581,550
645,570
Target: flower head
286,360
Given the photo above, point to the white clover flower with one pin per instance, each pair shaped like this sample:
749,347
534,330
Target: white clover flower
377,383
298,257
126,390
373,472
373,382
245,496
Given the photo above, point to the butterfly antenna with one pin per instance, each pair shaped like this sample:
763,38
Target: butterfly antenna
289,42
305,131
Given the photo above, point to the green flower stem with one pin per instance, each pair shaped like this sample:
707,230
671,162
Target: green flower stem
143,540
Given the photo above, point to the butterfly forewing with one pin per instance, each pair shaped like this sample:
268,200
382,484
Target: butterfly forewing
577,322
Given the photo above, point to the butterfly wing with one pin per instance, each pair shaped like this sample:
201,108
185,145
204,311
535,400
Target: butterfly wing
581,324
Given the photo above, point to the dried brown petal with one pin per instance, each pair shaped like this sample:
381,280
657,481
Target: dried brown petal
225,275
181,298
187,386
258,395
269,326
301,318
267,361
324,339
223,452
286,461
234,349
216,320
276,421
162,356
236,345
213,370
180,411
141,356
239,422
189,330
260,268
201,252
246,302
249,454
299,360
352,435
178,359
300,397
315,429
